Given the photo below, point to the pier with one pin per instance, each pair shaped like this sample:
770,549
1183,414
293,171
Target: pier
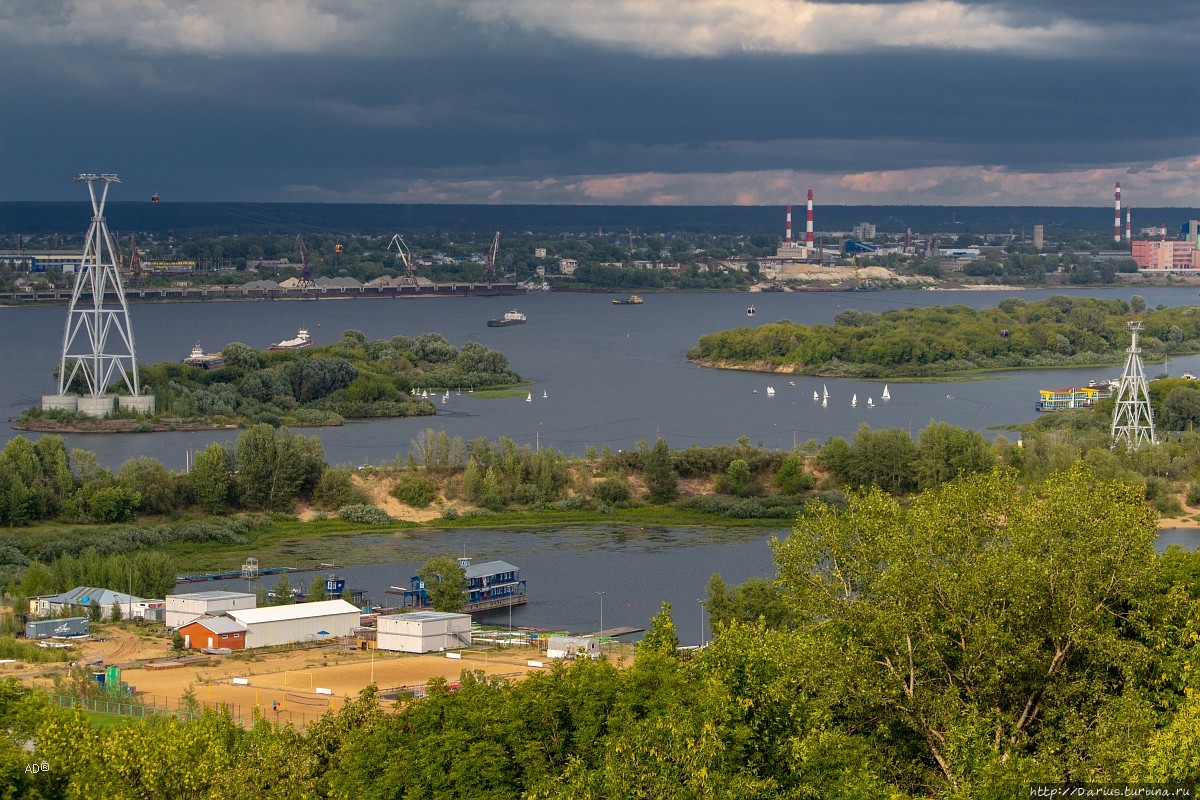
262,572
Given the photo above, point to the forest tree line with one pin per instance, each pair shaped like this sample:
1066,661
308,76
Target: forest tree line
941,340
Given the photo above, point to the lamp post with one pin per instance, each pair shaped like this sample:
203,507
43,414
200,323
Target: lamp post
601,616
701,602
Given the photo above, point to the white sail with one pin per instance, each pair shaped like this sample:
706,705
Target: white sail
529,397
870,402
825,390
886,394
815,397
853,400
770,391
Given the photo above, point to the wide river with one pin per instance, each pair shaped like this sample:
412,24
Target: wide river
611,375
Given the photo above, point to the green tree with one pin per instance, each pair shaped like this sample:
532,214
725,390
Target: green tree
241,356
316,590
945,452
445,583
662,484
283,591
275,467
212,479
979,621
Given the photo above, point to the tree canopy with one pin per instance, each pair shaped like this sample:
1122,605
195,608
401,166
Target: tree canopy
932,341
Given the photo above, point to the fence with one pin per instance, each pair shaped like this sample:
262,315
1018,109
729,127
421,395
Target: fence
281,713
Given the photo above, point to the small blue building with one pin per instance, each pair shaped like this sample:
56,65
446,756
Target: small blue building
492,584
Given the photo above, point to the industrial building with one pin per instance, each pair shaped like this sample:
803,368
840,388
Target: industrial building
214,632
301,622
185,608
423,631
81,599
1164,255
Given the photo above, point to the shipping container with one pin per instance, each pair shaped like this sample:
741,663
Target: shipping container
67,626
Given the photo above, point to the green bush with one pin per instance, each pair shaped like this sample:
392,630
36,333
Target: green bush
335,489
367,514
1193,494
612,491
414,490
450,513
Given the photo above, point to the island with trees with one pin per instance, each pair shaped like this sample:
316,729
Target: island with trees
353,378
936,341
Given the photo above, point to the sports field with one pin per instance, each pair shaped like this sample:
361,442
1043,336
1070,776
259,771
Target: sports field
285,686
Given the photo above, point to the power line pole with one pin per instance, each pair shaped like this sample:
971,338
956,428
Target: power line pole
1133,418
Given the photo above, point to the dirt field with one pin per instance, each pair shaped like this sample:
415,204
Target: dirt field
283,686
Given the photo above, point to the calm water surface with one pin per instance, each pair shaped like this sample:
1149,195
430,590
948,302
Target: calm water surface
613,374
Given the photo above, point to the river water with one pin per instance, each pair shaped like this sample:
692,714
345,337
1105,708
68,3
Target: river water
612,375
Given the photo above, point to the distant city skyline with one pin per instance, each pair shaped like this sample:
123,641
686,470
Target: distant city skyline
709,102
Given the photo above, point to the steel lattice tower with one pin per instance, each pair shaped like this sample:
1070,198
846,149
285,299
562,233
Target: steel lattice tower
91,322
1133,419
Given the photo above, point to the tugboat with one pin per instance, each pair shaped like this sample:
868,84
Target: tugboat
203,360
633,300
513,317
302,340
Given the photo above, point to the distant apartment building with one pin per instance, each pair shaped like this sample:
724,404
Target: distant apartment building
863,231
568,266
1151,254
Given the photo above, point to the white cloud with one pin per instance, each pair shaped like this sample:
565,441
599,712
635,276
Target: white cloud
1174,182
710,28
210,27
657,28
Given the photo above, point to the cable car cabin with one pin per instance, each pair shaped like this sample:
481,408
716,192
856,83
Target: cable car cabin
337,248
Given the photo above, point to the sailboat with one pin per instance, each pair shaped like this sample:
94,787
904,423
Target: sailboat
529,397
544,395
444,398
824,392
815,396
791,383
870,403
853,400
770,391
825,402
886,394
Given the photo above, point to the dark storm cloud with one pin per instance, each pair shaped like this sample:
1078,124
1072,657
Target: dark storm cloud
365,100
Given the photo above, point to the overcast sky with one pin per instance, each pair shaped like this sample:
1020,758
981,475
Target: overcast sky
714,102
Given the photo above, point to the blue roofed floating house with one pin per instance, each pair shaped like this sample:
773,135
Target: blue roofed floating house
492,584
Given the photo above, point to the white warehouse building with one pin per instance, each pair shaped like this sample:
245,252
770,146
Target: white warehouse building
301,622
423,631
185,608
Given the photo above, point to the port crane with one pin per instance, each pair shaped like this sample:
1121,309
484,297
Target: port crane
491,259
306,279
405,253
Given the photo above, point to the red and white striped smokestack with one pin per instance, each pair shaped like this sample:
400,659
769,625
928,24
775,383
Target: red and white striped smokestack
808,231
1129,223
787,239
1117,219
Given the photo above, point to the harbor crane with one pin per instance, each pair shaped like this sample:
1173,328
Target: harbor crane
405,253
491,259
306,279
135,258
